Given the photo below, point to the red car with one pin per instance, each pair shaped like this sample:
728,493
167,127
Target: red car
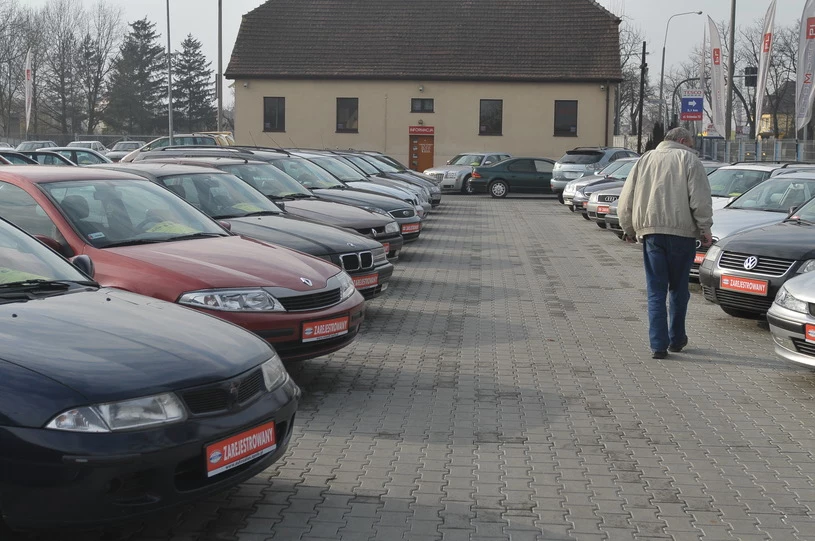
144,239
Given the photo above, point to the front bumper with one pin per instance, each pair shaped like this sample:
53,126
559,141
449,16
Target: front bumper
757,302
558,184
597,211
372,282
410,228
50,478
580,202
788,330
613,222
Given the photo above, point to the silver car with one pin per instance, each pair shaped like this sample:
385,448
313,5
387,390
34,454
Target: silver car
584,161
618,171
456,174
791,322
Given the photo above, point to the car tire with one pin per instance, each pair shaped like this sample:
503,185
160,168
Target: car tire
464,185
560,198
499,189
601,225
586,216
743,314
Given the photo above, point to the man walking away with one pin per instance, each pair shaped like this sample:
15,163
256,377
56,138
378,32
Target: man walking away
666,203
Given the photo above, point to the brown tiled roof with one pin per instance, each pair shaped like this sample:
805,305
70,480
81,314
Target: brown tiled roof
467,40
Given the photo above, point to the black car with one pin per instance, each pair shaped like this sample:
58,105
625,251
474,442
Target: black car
17,158
114,405
743,272
226,198
390,168
516,175
47,157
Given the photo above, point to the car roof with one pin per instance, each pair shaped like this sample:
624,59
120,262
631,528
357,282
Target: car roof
758,166
213,160
160,169
72,149
530,158
59,173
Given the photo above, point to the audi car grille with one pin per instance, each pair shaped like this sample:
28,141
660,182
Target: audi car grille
610,198
311,301
223,396
770,266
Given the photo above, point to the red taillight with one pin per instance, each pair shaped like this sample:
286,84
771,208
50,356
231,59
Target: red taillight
475,175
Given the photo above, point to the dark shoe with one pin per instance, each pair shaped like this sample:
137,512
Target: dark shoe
659,354
676,348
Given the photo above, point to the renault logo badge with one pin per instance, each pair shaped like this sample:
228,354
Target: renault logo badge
306,281
750,263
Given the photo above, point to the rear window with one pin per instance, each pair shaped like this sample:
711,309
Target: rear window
581,157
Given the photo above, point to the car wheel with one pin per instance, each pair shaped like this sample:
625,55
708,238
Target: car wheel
586,216
744,314
499,188
465,186
601,225
560,198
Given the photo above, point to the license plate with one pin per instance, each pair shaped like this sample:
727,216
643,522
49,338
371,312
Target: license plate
325,329
699,259
387,247
809,334
744,285
240,449
411,228
602,210
366,281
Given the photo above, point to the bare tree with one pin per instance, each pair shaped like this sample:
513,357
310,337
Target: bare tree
95,57
628,95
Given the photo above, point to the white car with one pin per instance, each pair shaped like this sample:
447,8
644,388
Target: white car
791,321
456,174
93,145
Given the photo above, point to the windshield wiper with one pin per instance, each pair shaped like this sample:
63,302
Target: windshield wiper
39,284
298,195
134,242
195,236
336,187
258,213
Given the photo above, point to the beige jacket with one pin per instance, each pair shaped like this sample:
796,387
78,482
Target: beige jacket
667,192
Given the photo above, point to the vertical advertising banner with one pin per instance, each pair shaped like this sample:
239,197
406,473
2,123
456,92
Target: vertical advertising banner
29,88
764,63
717,88
806,67
702,67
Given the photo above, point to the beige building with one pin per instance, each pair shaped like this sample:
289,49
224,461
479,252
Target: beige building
535,77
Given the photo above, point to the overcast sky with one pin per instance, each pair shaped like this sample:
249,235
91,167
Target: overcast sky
200,18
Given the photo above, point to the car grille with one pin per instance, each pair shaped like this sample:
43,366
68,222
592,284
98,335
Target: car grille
608,198
741,301
311,301
403,213
218,398
770,266
802,346
355,262
438,176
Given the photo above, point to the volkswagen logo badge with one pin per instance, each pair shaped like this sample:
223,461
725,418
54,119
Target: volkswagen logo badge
306,281
233,394
351,244
750,263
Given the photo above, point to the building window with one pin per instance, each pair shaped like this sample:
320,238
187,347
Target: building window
347,115
565,118
491,117
274,114
421,105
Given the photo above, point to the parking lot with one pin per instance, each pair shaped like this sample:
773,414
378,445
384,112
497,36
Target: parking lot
503,389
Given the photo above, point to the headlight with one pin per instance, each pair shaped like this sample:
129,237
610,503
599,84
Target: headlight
124,415
713,253
379,255
594,197
273,373
232,300
784,298
347,286
377,210
392,227
808,266
435,189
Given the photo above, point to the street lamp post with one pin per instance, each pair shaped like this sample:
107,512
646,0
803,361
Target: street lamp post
169,78
662,70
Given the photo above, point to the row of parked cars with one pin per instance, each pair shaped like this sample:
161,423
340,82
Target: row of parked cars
760,263
150,307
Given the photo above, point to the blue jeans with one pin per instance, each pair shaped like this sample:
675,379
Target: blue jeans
668,259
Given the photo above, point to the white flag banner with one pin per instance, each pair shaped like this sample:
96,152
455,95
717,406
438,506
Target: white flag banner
29,89
717,88
702,67
806,67
764,63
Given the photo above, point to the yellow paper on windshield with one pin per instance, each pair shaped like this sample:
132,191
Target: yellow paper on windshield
171,227
247,207
12,275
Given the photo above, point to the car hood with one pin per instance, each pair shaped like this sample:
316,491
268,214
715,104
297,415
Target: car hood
720,202
727,221
362,198
603,185
585,181
302,235
223,262
111,345
802,287
381,189
781,240
334,213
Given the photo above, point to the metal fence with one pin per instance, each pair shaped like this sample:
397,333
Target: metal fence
63,139
776,150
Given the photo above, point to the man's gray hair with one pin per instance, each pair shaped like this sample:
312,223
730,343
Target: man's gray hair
677,134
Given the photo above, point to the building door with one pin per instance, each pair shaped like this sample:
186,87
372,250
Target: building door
421,152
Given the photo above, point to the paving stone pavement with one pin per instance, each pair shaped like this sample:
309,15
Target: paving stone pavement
503,389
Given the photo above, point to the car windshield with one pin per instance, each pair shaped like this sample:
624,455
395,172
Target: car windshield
81,144
114,212
581,157
390,161
806,212
467,159
734,182
24,259
621,172
267,179
362,164
340,170
382,165
127,145
220,195
610,168
16,159
776,195
306,173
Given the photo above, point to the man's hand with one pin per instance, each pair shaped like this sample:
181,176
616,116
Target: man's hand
629,238
706,239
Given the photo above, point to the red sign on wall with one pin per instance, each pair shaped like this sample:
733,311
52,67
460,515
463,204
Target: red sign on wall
421,130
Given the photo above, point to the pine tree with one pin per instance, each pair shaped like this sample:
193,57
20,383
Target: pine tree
136,82
193,90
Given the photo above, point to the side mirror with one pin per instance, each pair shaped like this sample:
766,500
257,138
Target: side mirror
84,264
449,162
226,225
